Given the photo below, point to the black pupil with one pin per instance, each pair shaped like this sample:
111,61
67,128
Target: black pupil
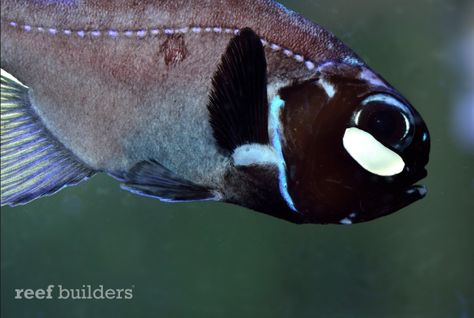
385,122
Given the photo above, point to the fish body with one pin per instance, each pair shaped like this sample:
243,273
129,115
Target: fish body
184,101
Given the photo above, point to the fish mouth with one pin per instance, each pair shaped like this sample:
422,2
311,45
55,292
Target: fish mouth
401,199
404,196
417,188
390,202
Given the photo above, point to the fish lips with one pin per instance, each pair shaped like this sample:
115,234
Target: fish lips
386,202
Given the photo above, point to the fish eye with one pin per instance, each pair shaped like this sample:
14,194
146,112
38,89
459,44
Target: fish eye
387,119
380,128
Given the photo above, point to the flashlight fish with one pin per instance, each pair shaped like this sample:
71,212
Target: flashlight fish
244,102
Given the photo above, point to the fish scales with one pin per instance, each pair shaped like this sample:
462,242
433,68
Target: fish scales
167,97
119,89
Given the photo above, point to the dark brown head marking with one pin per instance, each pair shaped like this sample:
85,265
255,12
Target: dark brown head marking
325,183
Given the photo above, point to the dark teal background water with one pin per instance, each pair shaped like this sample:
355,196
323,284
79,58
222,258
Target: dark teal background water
217,260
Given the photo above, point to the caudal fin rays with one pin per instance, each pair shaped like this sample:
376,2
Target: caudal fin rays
33,162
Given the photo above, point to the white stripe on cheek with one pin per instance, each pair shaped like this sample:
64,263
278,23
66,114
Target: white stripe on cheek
276,135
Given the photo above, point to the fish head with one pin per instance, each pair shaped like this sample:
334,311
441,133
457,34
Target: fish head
353,146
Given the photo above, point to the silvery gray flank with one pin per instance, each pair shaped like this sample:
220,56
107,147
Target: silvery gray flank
244,102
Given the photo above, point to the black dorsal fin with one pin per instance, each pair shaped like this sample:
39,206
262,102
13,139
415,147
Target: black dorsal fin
150,178
238,104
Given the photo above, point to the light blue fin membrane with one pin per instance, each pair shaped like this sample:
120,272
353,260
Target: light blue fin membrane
150,178
33,163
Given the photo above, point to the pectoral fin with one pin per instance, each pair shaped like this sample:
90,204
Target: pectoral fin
150,178
33,162
238,105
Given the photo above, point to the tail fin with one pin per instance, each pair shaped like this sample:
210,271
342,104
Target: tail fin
33,163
